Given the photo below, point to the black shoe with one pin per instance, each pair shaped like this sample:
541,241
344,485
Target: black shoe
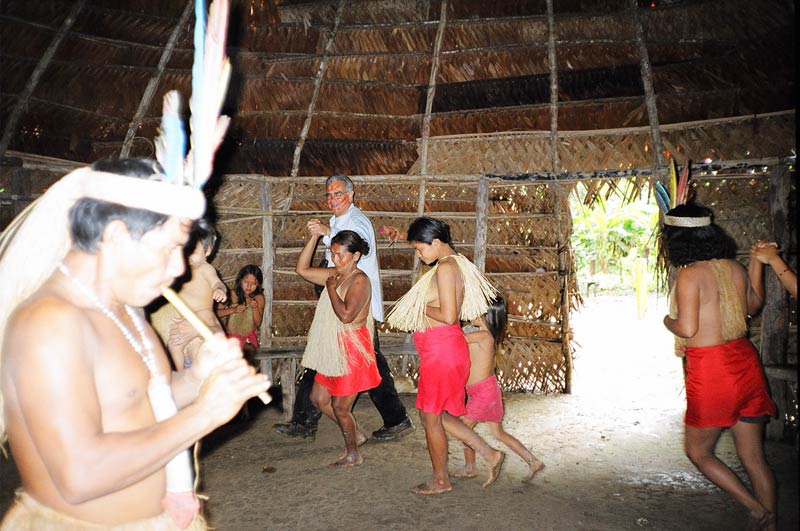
292,429
387,434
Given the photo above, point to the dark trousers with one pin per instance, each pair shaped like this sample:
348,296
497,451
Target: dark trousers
384,396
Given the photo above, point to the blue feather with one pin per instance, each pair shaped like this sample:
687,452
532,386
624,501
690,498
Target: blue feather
662,192
661,203
175,137
199,60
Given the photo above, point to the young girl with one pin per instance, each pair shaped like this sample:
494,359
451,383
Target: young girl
484,397
246,307
452,290
340,344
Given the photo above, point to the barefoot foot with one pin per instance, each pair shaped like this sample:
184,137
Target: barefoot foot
432,487
466,472
763,522
533,467
494,468
347,461
361,439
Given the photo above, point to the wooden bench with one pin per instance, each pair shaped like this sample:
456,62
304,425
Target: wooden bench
289,358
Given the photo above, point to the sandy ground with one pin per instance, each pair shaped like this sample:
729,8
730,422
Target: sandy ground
613,451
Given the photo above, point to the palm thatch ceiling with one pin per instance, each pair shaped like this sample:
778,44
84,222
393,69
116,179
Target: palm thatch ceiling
322,87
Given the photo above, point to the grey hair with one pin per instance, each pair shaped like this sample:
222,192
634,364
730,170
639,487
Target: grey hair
340,178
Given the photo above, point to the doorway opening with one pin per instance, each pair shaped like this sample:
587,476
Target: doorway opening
623,353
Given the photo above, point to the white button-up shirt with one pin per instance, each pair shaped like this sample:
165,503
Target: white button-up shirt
356,221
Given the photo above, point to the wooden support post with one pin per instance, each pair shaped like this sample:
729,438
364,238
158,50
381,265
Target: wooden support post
551,58
267,264
775,316
288,372
481,224
564,275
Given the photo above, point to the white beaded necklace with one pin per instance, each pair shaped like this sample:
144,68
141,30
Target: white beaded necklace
145,348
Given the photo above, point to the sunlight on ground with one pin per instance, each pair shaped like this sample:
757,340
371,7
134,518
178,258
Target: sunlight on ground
623,360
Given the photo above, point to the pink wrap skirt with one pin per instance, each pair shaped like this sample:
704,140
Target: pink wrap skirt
443,370
485,401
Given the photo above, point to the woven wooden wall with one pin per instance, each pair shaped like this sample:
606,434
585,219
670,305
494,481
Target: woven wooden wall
528,224
759,137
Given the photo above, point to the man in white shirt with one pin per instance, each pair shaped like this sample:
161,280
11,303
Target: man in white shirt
346,216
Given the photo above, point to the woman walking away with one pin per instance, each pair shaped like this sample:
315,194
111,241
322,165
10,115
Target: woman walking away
725,385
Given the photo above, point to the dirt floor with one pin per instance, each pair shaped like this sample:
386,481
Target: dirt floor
613,451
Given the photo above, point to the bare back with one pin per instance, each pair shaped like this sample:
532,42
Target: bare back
198,293
69,371
697,291
481,355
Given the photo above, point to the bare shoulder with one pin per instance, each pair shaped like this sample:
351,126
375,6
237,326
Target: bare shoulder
44,324
447,267
736,268
44,311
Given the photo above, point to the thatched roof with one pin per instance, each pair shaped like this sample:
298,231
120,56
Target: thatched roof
359,86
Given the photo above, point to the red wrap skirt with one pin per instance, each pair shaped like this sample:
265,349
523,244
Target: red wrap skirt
249,339
485,401
725,383
362,374
443,370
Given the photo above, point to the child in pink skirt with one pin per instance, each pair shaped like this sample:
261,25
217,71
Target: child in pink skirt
484,397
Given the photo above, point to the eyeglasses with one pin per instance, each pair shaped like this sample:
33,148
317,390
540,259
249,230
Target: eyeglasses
335,195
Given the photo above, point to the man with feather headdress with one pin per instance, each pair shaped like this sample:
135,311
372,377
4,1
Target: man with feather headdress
84,379
98,425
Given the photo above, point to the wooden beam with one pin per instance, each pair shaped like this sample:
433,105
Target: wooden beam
36,75
323,65
152,84
660,162
426,120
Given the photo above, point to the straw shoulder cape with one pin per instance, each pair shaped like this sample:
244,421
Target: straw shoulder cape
733,310
326,331
408,313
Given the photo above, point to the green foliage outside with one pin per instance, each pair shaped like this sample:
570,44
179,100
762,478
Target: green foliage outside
608,240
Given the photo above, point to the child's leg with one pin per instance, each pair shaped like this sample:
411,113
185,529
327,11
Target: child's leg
342,406
534,464
463,433
469,470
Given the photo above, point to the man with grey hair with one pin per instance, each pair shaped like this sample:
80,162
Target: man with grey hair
346,216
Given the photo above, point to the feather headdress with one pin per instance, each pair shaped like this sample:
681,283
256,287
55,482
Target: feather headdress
38,238
678,188
211,73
